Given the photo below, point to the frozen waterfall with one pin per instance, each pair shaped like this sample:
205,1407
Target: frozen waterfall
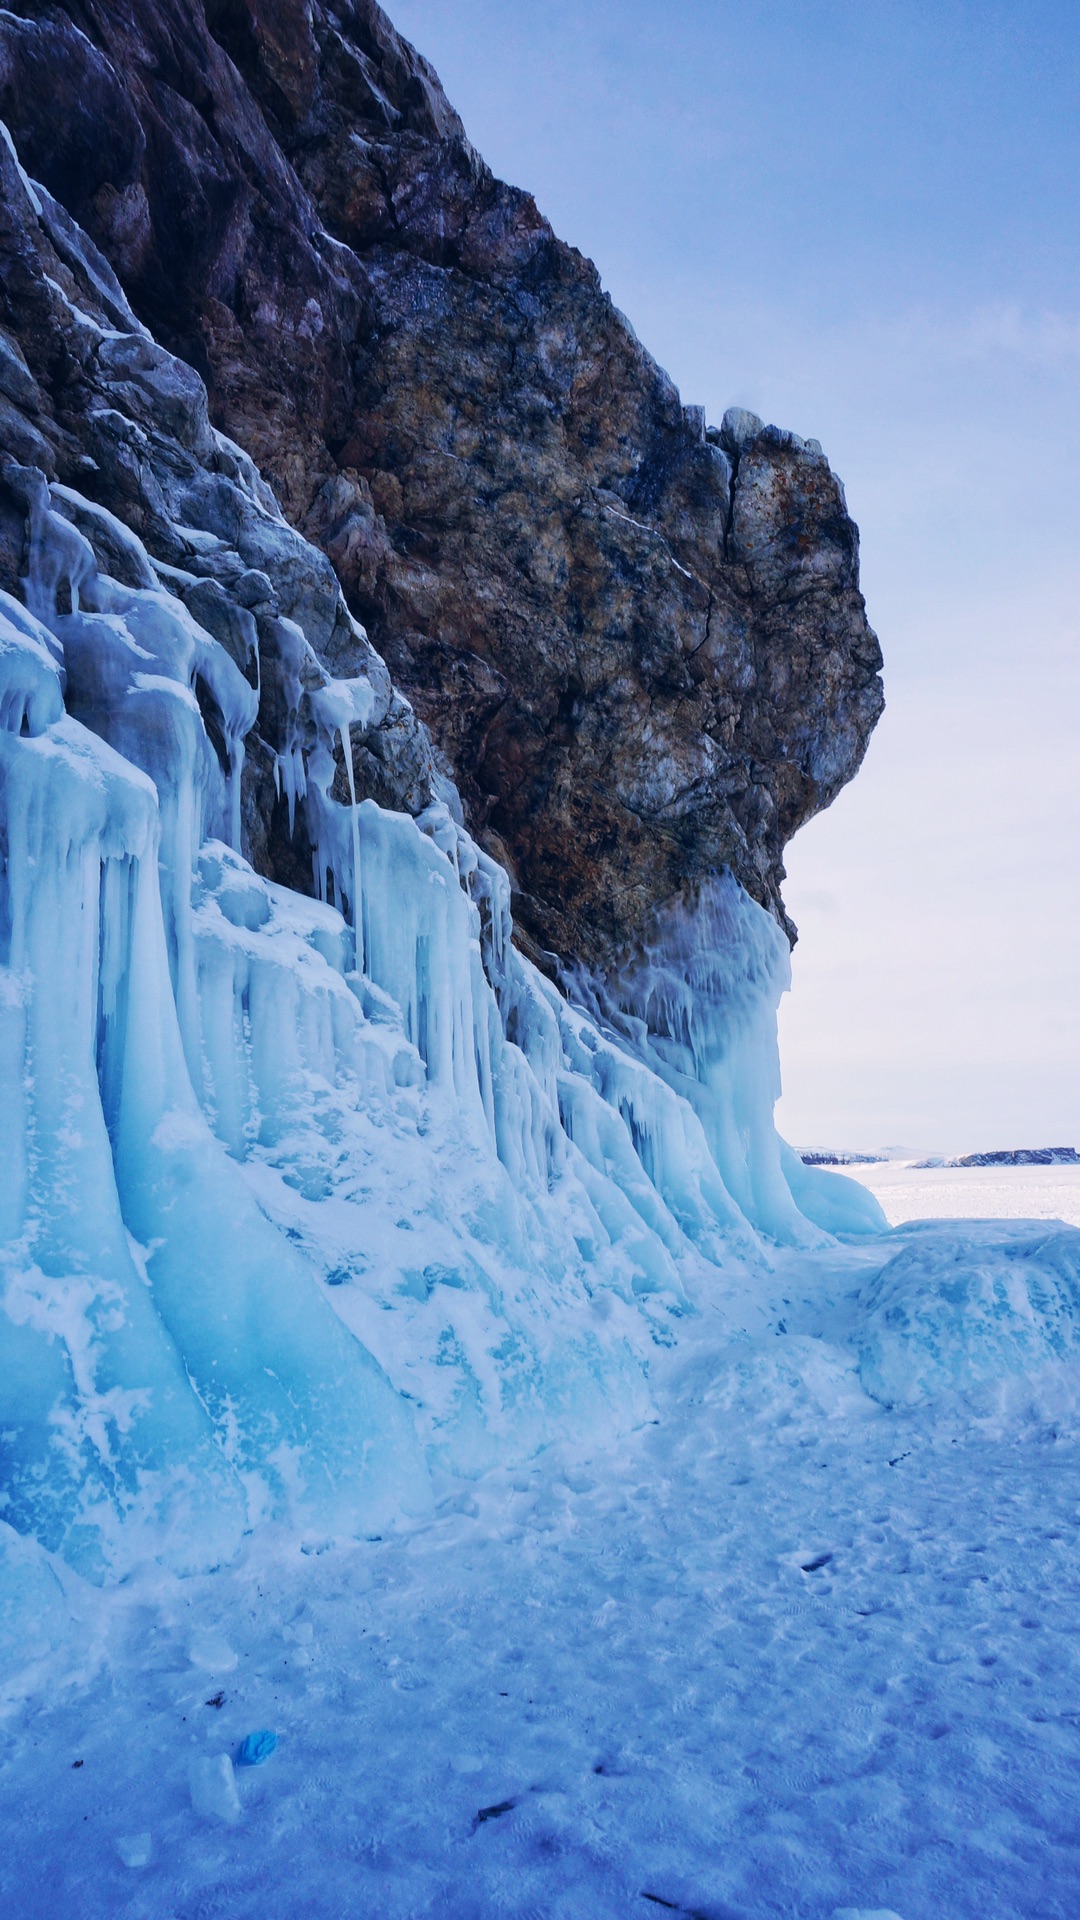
308,1198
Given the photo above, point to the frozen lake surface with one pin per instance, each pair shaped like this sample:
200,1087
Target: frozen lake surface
783,1653
908,1192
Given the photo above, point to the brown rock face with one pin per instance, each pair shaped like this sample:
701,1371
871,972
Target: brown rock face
639,643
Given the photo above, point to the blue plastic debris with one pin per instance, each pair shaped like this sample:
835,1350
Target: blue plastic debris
256,1748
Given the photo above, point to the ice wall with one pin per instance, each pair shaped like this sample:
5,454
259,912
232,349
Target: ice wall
167,1359
308,1199
697,1003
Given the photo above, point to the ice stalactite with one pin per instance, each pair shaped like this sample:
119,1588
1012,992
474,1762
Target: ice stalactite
337,708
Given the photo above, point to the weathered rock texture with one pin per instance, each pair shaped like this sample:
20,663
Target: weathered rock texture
638,642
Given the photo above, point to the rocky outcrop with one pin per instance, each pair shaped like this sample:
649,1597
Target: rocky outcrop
637,641
106,444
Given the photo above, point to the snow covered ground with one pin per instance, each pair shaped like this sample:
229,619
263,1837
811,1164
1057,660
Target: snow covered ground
908,1192
782,1653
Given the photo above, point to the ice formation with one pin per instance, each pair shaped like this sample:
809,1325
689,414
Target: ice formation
171,1019
310,1198
949,1313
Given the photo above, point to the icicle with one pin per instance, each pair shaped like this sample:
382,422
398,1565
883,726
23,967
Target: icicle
290,775
357,916
236,774
58,553
336,708
30,696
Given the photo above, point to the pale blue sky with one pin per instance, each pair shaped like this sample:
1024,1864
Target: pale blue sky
859,218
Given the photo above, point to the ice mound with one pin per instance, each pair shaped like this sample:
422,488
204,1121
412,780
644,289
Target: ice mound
954,1310
833,1201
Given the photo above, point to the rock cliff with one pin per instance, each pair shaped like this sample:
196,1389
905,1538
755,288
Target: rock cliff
637,640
